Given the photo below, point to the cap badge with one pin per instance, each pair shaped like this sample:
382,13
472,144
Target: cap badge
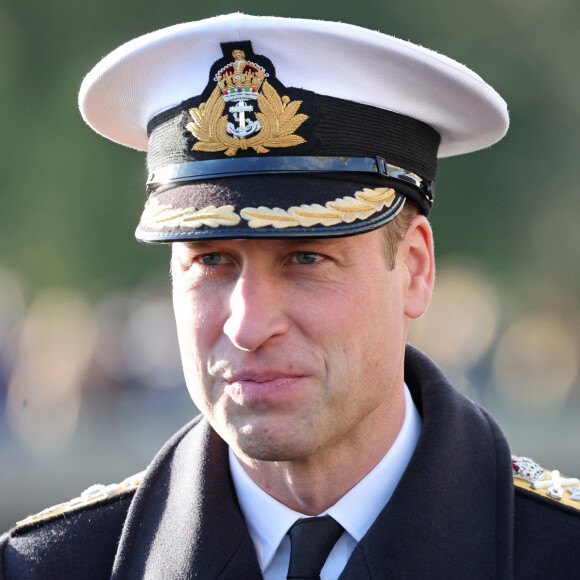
242,85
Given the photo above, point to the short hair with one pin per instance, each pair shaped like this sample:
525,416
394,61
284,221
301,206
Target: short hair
394,232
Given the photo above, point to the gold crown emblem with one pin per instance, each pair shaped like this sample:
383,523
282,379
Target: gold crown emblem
240,79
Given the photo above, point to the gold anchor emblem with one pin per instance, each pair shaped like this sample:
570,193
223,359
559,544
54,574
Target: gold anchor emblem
244,83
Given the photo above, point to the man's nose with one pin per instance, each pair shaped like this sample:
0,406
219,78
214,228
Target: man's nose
256,311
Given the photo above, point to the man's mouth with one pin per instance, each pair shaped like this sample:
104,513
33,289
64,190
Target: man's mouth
248,388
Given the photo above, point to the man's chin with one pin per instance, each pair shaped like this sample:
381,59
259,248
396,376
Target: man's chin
271,449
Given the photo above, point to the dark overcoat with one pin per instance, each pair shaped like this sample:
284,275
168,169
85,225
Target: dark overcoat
455,513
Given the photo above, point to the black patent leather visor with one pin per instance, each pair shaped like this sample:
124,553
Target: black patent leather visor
218,208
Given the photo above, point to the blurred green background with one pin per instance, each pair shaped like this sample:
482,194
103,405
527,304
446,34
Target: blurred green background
90,384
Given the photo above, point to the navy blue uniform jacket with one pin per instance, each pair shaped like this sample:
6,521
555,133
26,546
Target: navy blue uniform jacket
454,514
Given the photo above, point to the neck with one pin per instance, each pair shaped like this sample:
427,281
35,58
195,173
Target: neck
312,484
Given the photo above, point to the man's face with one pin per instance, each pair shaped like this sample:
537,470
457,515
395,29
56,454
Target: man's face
290,346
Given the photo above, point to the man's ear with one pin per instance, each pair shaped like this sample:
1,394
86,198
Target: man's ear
418,259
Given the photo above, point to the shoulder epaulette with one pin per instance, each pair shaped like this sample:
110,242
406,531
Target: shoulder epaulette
549,484
93,495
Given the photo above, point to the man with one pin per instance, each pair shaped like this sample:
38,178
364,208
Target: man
295,191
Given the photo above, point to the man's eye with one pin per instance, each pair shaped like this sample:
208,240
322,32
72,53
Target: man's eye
307,257
213,259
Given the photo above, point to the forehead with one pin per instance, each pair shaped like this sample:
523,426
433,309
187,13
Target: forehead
343,245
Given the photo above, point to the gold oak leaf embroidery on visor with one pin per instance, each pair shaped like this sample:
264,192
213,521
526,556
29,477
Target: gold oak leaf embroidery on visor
276,123
157,216
341,210
344,209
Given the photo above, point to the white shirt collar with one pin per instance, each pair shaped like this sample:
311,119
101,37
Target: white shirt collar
268,520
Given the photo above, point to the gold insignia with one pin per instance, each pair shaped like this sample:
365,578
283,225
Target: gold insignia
94,494
159,216
243,82
341,210
532,477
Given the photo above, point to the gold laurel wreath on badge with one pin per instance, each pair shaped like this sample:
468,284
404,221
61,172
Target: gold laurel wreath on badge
278,118
341,210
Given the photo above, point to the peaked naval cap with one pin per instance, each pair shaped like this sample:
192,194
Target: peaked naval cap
275,127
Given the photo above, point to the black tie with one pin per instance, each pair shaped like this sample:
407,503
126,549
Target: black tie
311,540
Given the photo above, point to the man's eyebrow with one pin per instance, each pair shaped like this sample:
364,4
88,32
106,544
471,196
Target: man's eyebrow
312,241
198,245
310,244
201,244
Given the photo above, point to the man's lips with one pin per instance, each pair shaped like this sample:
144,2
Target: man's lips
250,388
